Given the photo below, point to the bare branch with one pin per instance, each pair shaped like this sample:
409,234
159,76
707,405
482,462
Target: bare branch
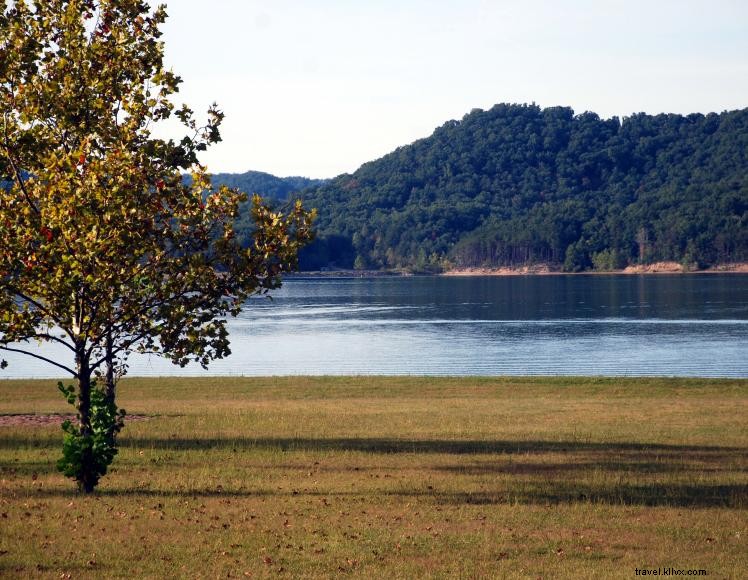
52,338
37,356
45,311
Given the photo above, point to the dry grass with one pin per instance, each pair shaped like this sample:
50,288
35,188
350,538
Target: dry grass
388,478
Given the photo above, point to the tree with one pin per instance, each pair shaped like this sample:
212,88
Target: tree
107,249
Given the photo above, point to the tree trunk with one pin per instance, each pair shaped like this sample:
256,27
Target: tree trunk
110,388
110,381
87,476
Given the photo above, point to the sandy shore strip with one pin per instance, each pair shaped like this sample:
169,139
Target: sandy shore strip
546,269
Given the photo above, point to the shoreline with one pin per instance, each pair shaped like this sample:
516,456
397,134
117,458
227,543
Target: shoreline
657,268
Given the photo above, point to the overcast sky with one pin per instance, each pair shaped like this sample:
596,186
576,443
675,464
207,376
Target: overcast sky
318,87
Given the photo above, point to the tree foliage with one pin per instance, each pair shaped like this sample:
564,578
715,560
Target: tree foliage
273,189
519,184
106,249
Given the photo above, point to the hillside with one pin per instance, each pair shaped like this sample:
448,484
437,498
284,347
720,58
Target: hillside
272,188
518,185
265,184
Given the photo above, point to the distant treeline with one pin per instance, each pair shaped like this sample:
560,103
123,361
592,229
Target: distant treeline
518,185
272,188
265,184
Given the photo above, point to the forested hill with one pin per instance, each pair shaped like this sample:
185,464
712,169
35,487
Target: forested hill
518,184
265,184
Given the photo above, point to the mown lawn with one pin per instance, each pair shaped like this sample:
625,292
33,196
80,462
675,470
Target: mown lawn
387,478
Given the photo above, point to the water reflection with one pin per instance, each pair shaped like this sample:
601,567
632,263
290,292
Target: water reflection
585,325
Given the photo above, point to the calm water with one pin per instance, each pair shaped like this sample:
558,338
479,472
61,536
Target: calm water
678,325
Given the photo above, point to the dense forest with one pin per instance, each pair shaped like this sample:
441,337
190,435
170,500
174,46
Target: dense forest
278,190
267,185
518,185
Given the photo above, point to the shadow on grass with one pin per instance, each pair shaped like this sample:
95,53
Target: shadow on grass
66,570
540,480
548,493
384,445
393,445
633,462
27,468
552,493
578,455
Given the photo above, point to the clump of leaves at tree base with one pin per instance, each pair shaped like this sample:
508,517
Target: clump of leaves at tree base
86,455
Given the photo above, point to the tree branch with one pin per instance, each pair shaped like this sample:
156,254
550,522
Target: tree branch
16,171
45,359
45,311
53,338
125,347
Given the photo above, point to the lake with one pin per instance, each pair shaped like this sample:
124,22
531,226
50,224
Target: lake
612,325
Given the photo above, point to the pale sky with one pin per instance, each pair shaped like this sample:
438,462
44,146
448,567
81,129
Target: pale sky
318,87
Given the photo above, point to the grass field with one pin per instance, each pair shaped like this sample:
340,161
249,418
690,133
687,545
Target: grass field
388,478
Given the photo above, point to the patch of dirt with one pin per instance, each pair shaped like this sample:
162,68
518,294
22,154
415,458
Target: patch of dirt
32,420
657,267
739,267
505,271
